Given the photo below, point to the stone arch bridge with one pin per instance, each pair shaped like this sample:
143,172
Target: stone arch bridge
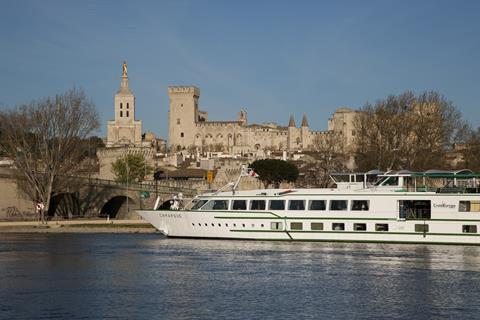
98,197
86,197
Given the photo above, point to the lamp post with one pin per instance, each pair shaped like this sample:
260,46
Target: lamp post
126,170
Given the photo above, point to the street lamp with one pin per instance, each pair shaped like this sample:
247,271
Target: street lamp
126,170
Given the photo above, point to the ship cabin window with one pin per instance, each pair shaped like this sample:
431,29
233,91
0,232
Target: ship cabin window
360,205
381,226
296,226
390,181
360,226
276,205
276,226
296,205
316,226
198,204
415,209
216,205
421,228
469,206
469,228
239,205
257,205
317,205
338,205
338,226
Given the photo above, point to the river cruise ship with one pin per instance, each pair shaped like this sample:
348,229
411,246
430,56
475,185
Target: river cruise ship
404,207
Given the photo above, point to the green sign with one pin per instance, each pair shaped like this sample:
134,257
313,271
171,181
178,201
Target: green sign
144,194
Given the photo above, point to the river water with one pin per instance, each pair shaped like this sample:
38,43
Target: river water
145,276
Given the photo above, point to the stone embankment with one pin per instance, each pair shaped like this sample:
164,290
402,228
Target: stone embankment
79,226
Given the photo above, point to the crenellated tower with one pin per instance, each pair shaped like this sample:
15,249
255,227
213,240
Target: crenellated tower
183,115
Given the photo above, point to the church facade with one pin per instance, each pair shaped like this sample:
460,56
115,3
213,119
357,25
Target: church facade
189,128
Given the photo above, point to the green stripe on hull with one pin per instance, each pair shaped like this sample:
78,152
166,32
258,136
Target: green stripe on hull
361,232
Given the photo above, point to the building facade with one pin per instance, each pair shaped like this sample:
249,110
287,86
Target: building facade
190,129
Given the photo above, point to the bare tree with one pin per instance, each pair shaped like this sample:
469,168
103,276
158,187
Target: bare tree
471,153
43,139
406,132
330,156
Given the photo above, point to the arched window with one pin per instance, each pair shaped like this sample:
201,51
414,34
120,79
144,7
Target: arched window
127,105
121,114
121,105
128,114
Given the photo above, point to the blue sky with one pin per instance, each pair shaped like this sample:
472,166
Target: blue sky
275,58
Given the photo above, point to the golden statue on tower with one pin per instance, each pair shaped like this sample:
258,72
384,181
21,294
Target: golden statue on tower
124,69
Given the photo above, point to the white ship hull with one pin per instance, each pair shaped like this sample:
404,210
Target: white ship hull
224,225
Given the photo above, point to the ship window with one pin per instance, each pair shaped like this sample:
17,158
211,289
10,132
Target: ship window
316,226
296,205
198,204
257,205
421,228
469,206
338,226
296,226
469,228
276,205
276,226
239,205
381,227
414,209
360,226
317,205
216,205
360,205
338,205
391,181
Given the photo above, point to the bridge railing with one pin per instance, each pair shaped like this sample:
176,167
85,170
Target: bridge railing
144,186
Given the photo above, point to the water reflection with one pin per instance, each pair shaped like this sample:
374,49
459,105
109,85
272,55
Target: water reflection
144,276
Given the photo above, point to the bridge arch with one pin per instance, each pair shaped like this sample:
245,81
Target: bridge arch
64,205
116,207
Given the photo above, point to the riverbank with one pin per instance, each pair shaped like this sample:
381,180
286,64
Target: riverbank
78,226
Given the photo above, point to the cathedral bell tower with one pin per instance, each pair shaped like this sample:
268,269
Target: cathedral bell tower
124,130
